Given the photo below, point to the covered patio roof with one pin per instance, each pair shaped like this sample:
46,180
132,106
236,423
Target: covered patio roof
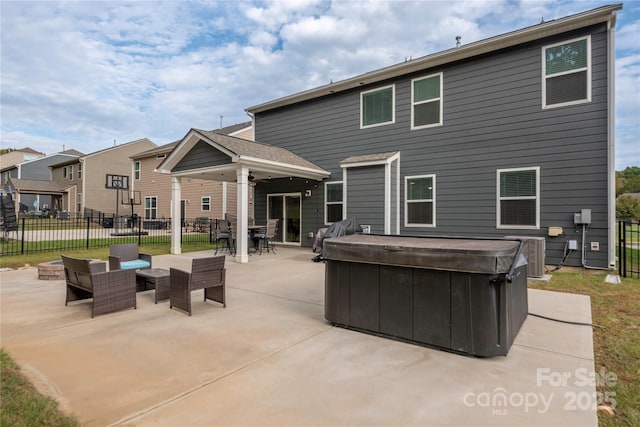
219,157
215,156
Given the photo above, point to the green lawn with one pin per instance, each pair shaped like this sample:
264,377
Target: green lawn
617,347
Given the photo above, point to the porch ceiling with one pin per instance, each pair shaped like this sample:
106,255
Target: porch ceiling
263,161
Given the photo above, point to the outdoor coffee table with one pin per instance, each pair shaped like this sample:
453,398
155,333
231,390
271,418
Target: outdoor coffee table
154,278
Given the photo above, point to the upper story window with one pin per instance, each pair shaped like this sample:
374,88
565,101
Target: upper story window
426,101
64,172
136,170
71,172
79,170
377,107
567,73
333,202
205,203
420,201
518,198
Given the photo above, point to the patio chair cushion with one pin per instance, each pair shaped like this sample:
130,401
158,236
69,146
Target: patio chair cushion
134,265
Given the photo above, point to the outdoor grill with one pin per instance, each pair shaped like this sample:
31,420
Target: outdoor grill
463,295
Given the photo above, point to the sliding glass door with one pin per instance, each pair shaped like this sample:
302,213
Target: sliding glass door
287,208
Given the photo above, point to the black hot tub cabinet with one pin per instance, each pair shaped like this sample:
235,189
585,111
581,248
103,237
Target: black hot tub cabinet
463,295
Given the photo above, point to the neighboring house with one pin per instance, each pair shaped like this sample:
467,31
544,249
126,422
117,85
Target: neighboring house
508,136
14,157
200,198
93,168
31,184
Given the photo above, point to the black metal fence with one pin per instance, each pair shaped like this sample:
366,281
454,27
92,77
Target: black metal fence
629,248
93,231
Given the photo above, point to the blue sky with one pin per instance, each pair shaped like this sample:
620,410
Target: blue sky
82,74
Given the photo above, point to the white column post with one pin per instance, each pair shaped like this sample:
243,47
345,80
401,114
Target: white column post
242,175
176,220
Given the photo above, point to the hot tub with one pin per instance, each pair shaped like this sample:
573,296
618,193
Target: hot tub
468,296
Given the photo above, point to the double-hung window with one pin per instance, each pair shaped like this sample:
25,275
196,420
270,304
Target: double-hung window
518,198
150,207
426,101
205,204
79,170
566,73
333,202
377,107
420,201
136,170
71,172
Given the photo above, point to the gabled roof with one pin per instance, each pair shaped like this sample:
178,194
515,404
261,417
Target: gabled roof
161,149
264,160
492,44
166,148
115,147
36,185
72,152
26,150
370,159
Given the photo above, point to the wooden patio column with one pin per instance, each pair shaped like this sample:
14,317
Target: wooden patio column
176,220
242,174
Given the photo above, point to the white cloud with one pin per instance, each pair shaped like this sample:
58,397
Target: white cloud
85,73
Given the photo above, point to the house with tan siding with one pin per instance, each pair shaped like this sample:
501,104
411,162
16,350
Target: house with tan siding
84,178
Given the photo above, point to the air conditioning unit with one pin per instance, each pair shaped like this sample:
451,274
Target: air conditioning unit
534,253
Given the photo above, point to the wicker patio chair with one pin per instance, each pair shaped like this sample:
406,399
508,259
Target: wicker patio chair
110,290
126,257
206,273
222,235
268,238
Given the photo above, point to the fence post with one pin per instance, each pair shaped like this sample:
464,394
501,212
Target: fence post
139,224
88,230
622,247
22,239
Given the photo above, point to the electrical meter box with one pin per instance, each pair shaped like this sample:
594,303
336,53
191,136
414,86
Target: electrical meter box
582,217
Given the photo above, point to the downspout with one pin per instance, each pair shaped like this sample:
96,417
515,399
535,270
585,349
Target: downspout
611,71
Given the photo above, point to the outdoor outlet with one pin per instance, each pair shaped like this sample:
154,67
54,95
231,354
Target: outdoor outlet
573,245
310,234
595,246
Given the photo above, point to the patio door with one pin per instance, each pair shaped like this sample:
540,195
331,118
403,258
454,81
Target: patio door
287,208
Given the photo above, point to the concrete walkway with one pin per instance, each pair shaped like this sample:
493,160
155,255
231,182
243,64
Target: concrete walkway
270,358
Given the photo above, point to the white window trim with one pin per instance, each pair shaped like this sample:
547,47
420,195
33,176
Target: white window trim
440,99
432,200
393,106
202,203
70,175
332,203
537,198
544,74
79,170
137,162
144,207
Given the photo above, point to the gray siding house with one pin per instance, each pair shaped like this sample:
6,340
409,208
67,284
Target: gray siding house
508,136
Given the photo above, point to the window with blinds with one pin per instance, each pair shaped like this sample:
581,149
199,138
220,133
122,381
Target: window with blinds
377,107
333,202
567,73
518,198
420,201
426,101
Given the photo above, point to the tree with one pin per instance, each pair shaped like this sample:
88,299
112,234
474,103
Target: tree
628,207
628,180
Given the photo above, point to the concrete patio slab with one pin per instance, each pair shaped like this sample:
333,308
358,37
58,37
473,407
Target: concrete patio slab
270,358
